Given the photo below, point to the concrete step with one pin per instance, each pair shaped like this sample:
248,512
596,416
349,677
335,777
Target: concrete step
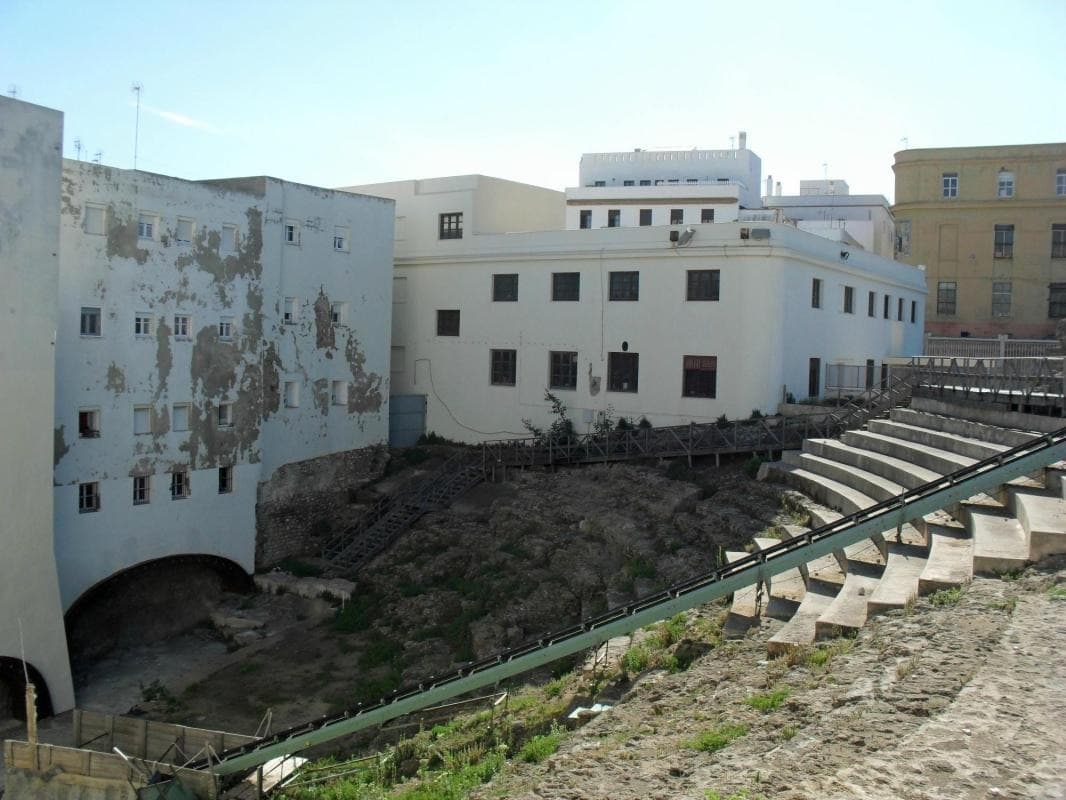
788,586
870,551
849,609
950,561
931,458
980,431
824,570
896,470
1055,479
748,603
987,414
873,486
1000,544
949,442
800,630
825,490
899,582
1044,520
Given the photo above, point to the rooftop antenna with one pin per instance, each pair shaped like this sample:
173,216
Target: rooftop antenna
13,90
905,142
732,142
77,147
136,88
98,156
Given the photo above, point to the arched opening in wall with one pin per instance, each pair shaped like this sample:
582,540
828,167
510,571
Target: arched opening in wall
147,603
13,690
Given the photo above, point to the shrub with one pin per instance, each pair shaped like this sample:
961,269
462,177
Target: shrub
635,660
643,423
751,466
722,421
717,738
946,597
540,747
756,414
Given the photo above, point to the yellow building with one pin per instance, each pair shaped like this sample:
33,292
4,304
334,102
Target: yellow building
989,224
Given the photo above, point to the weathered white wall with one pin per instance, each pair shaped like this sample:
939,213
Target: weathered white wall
762,330
31,140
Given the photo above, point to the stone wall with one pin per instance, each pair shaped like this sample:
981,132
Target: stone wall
306,502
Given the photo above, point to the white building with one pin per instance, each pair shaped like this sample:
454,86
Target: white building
827,208
31,617
209,333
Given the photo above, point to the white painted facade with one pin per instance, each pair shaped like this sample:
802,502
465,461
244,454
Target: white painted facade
31,140
762,330
240,325
826,208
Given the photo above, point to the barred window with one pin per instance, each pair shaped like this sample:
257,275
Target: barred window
945,298
447,322
624,285
562,370
1001,291
622,372
503,367
1058,241
1056,306
701,376
703,284
1004,242
566,286
505,288
451,225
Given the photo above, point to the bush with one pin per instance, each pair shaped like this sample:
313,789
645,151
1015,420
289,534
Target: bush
722,421
643,423
756,414
751,466
946,597
717,738
540,747
636,660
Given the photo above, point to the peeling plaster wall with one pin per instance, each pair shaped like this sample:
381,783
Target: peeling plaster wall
124,273
30,163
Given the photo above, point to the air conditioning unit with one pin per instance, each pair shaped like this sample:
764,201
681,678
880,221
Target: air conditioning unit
760,233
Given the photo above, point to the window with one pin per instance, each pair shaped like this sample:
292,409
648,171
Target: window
701,376
183,233
292,394
914,310
622,371
1056,303
614,218
88,497
292,232
899,309
225,480
1058,241
179,485
290,310
677,216
447,322
566,286
228,241
627,183
225,329
706,215
95,219
816,293
89,423
338,393
502,367
397,358
945,298
142,419
871,304
340,239
1060,182
949,184
146,224
691,180
141,488
180,417
645,216
142,325
338,313
1001,291
225,415
1005,184
585,217
886,306
903,237
849,300
624,286
562,369
599,183
181,326
645,182
90,321
702,284
814,377
1004,242
451,225
505,288
658,182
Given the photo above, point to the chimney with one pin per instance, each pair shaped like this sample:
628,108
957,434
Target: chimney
743,140
779,188
769,185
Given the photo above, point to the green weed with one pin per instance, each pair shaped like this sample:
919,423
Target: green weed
717,738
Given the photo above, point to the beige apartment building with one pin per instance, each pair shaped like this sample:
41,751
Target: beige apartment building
989,225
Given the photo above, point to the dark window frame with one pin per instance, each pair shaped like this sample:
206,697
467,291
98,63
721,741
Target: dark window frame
614,218
677,216
1058,240
871,304
699,376
623,286
947,298
816,292
566,287
505,287
585,219
562,369
1003,241
503,367
645,217
450,225
623,370
706,215
849,299
703,285
1056,300
447,324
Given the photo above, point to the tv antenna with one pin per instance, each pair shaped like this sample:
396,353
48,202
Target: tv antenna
905,142
13,90
136,88
98,156
77,147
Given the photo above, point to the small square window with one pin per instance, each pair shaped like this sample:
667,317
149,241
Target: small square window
292,232
622,372
624,286
585,219
340,238
225,480
90,321
142,419
225,415
338,313
505,288
229,240
88,497
451,225
339,393
146,226
184,231
290,312
700,376
142,485
563,370
871,304
677,216
142,325
95,219
292,394
614,218
89,423
645,217
180,417
706,215
945,298
447,322
702,284
949,184
566,286
849,299
225,329
182,324
179,485
816,293
503,367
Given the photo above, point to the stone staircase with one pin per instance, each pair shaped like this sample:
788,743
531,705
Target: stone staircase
1001,531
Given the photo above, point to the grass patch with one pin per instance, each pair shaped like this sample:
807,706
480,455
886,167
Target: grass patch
358,615
1057,592
640,567
768,701
788,732
540,747
717,738
946,597
380,651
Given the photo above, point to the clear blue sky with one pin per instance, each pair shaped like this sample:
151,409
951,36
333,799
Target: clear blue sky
333,93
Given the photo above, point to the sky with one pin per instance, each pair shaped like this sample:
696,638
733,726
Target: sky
343,93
